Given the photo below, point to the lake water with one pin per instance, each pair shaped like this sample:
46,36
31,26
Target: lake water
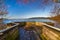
32,20
27,20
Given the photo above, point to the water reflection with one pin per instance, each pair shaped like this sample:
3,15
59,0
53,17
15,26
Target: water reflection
27,33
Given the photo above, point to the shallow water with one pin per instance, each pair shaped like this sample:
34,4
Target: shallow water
27,34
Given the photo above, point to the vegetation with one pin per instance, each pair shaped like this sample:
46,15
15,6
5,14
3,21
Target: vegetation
56,18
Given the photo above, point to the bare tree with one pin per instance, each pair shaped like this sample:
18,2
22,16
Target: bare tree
56,10
3,12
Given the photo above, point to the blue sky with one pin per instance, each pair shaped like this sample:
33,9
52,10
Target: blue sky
31,9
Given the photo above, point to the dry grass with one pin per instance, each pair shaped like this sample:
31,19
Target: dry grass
56,18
